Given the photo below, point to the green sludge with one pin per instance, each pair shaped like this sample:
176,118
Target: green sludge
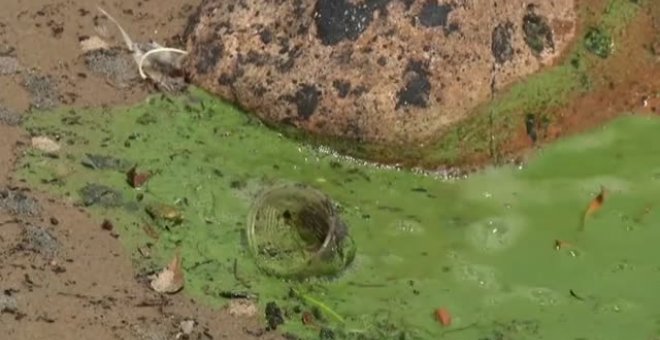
482,247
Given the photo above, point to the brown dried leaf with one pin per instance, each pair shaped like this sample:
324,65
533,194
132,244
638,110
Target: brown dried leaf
170,280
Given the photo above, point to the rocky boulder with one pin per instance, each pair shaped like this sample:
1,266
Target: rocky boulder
375,71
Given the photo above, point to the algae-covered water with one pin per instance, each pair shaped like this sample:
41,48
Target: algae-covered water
482,247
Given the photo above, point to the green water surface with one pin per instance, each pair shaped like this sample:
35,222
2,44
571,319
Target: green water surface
481,247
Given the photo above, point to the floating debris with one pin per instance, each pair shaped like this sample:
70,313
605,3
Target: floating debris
594,205
443,317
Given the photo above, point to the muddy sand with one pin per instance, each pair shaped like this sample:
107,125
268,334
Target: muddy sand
62,275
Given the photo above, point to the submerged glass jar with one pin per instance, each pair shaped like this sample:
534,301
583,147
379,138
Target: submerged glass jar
295,231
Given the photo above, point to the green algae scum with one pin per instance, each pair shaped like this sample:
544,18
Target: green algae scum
500,250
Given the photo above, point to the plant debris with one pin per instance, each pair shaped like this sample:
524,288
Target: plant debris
170,280
574,295
594,205
158,63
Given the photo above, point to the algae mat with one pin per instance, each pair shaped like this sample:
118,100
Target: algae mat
482,247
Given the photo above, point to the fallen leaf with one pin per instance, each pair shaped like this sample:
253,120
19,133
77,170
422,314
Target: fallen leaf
443,316
170,279
45,144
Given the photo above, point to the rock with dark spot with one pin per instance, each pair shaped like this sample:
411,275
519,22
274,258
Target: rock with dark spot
417,88
342,87
266,36
306,100
434,14
538,34
337,20
501,42
211,52
380,72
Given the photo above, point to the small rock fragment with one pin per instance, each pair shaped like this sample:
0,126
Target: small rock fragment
242,308
8,303
18,203
93,43
9,65
187,326
9,117
45,144
40,240
43,91
274,315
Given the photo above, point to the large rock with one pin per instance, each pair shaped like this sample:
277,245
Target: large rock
377,71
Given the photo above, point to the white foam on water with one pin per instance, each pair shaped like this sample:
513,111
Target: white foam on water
478,275
541,296
405,227
494,234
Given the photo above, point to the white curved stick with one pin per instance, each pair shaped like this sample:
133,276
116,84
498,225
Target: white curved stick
153,51
127,39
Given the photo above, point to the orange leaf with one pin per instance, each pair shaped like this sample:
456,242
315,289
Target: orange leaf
443,316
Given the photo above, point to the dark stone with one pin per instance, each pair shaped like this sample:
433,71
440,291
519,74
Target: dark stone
408,3
382,61
338,20
225,79
342,87
93,194
359,90
501,42
326,334
433,14
273,315
209,55
306,100
417,89
254,57
266,36
538,35
530,126
259,90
